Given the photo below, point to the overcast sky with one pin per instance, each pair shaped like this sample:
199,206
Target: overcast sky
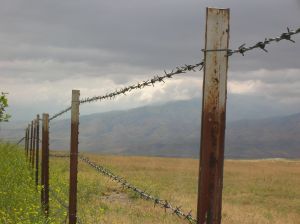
49,48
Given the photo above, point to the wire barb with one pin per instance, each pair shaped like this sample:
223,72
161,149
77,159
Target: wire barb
143,194
262,44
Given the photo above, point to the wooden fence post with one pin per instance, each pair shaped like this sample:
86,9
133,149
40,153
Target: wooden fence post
213,117
74,157
45,164
33,144
37,149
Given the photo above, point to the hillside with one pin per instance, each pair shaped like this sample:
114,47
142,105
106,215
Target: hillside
173,129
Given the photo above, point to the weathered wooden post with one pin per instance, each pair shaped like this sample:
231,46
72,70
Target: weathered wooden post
213,117
74,157
37,149
45,164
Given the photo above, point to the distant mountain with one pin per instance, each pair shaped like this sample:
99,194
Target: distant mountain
271,137
173,129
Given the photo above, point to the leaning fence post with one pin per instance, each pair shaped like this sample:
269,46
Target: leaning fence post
37,149
213,117
74,157
45,164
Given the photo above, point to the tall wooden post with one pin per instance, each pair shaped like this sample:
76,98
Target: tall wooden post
45,164
37,149
213,117
74,157
31,142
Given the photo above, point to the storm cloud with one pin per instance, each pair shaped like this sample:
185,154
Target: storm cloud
49,48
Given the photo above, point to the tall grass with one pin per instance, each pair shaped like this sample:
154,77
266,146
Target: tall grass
19,198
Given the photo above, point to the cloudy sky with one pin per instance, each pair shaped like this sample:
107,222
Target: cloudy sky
49,48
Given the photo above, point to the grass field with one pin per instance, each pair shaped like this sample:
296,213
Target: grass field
265,191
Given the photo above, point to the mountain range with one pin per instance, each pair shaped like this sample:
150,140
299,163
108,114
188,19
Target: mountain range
173,129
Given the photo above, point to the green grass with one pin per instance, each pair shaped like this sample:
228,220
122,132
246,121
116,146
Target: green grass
255,192
19,199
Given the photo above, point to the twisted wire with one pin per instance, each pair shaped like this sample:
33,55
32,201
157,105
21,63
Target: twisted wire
61,201
262,44
242,49
143,84
143,194
125,184
59,113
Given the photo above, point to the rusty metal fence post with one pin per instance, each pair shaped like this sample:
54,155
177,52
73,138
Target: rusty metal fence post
213,117
37,150
31,142
45,164
26,139
74,157
27,147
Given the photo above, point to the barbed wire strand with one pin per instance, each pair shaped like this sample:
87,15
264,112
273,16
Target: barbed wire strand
143,194
62,203
262,44
242,49
125,184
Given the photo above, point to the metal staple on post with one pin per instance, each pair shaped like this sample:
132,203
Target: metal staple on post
74,157
213,117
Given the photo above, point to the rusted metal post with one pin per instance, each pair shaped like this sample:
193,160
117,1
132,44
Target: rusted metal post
37,149
27,147
74,157
33,144
45,164
26,139
213,117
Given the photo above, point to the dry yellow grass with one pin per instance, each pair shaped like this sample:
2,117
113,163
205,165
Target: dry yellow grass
265,191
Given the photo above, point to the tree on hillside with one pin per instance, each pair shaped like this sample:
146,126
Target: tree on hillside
3,104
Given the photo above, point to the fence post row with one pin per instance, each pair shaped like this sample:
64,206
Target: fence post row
74,157
213,117
37,149
45,164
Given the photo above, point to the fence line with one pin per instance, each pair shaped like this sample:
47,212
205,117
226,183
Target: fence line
30,135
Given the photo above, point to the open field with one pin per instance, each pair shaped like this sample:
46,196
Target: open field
265,191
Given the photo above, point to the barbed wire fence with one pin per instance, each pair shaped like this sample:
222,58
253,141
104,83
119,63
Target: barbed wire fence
165,204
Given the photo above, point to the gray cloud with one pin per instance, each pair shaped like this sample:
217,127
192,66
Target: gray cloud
154,34
51,47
